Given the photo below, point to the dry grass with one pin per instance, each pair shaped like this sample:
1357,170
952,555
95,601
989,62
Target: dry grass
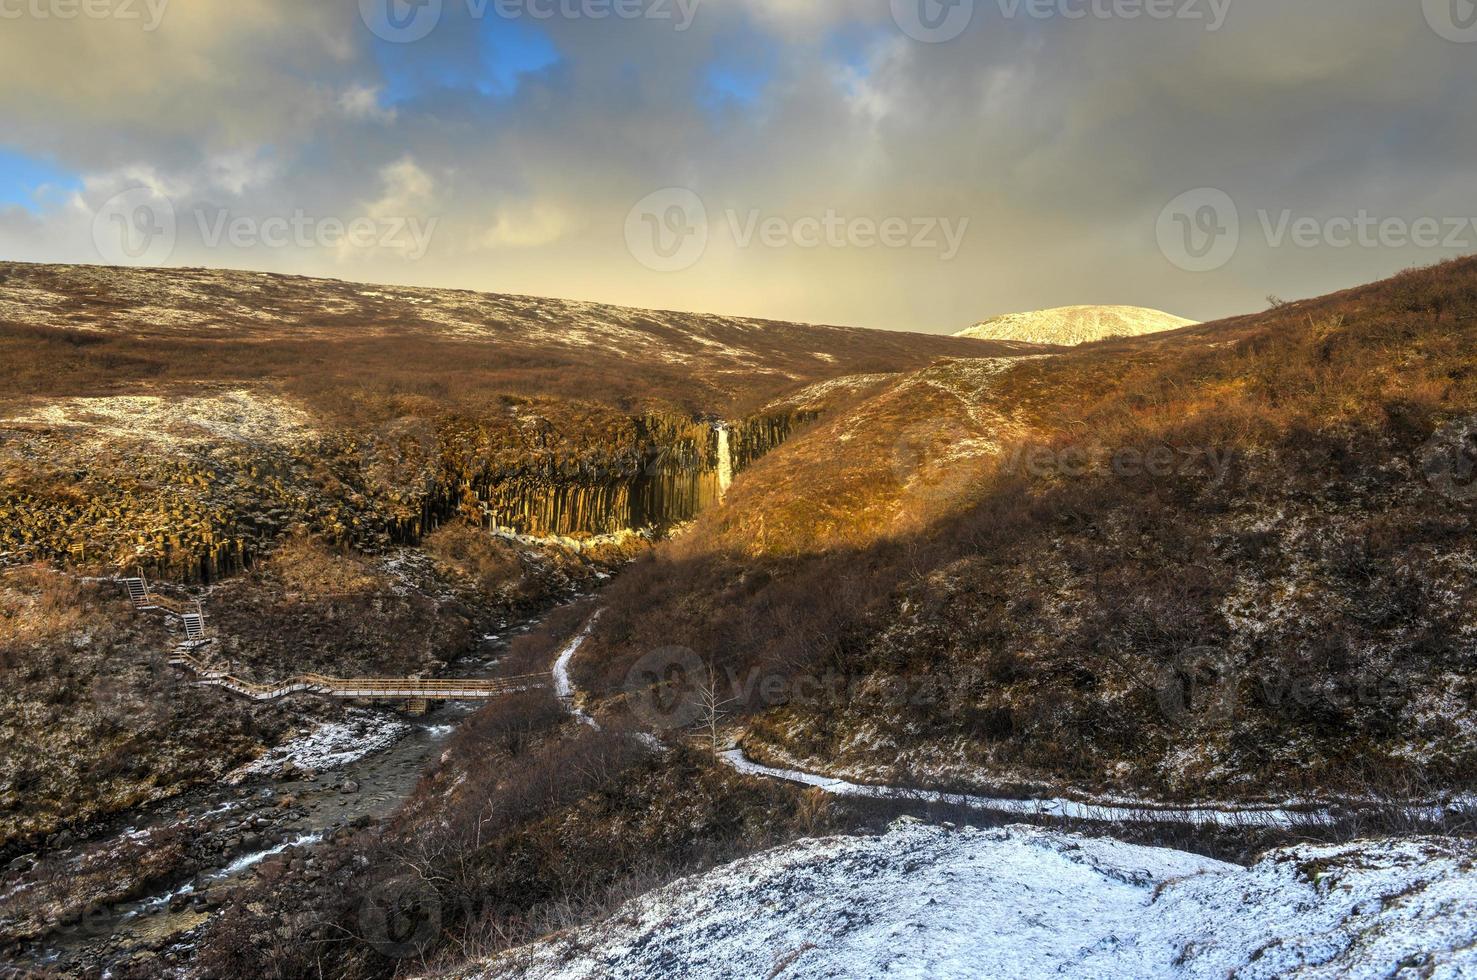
340,347
1055,605
310,569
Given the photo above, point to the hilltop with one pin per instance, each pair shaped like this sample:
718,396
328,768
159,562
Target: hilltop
1068,326
68,330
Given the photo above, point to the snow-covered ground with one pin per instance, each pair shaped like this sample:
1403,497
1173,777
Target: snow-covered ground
563,684
938,902
1071,325
1055,807
331,745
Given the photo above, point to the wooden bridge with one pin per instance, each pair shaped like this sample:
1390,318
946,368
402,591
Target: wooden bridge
362,688
415,691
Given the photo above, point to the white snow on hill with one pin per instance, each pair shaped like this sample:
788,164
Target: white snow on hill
1072,325
937,902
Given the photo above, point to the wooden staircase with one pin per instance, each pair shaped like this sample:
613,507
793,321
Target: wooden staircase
193,619
194,626
138,593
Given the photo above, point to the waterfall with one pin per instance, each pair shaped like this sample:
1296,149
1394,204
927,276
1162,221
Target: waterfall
725,462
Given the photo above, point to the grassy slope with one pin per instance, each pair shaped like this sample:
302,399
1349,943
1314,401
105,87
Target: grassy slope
1304,621
344,348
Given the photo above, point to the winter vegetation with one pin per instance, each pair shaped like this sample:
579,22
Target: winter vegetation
1161,646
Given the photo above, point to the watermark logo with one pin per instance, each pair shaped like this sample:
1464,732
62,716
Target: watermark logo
1200,230
1212,13
96,920
406,21
400,21
917,460
140,703
664,688
1449,460
932,21
1199,687
141,227
150,12
400,918
135,227
403,454
1455,20
667,230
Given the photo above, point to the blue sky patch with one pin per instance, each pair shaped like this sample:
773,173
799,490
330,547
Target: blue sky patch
488,56
22,176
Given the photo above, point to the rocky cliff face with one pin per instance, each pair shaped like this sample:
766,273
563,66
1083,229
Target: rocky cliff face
147,483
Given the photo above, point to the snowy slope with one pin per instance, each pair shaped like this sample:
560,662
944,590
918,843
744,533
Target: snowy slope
1071,325
934,902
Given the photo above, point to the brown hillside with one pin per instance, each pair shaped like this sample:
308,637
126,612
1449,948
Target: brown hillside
83,330
1211,563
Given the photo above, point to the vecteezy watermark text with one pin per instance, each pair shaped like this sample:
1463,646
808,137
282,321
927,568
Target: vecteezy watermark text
937,21
669,230
411,236
834,230
405,21
673,688
1212,13
141,227
1127,462
1202,230
149,12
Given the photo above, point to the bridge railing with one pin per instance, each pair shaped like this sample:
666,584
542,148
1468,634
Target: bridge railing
447,689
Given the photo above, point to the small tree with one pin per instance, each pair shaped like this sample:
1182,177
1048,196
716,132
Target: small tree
712,708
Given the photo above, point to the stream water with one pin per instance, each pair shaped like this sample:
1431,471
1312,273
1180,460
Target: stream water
238,827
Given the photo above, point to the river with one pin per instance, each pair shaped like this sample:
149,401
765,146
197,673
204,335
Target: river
349,774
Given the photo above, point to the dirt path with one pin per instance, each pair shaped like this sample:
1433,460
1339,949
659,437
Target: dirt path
1286,817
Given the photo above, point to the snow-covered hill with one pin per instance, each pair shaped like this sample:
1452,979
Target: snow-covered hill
1072,325
930,901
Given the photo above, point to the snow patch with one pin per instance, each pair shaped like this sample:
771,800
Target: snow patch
331,745
938,902
563,684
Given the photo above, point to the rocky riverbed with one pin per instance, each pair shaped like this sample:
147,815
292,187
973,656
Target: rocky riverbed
132,896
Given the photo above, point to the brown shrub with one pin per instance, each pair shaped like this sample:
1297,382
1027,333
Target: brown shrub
308,567
465,551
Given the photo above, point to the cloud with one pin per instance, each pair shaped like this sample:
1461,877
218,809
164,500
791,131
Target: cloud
362,102
403,215
1060,141
526,225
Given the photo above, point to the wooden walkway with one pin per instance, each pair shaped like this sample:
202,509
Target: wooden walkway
362,688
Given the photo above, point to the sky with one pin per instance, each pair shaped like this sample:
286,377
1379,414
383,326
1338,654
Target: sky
900,164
